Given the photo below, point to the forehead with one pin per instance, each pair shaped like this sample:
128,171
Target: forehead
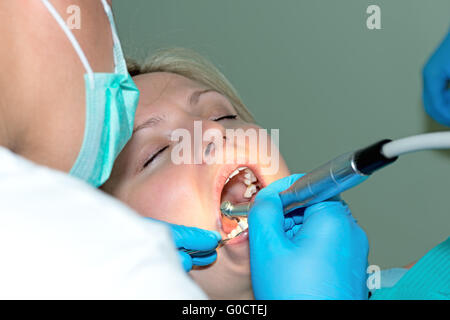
163,86
163,92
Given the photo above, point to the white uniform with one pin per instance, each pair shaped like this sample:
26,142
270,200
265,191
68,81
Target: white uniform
61,238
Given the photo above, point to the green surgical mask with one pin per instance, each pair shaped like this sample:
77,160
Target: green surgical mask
111,101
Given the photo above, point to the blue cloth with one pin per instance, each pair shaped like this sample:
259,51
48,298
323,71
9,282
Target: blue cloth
389,277
428,279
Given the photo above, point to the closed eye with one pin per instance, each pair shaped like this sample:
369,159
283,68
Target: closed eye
153,157
231,116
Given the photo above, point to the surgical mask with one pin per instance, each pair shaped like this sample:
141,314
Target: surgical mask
111,101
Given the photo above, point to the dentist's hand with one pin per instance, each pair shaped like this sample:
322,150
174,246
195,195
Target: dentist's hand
436,77
316,253
194,239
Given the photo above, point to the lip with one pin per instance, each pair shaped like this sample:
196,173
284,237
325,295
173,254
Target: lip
221,176
243,237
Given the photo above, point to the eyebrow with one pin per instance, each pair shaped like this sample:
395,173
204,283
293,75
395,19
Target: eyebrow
156,120
151,122
195,96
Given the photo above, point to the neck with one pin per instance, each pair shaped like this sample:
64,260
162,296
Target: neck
224,281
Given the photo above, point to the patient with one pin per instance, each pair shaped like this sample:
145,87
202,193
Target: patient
177,88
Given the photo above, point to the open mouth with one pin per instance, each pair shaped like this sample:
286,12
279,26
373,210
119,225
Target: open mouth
241,186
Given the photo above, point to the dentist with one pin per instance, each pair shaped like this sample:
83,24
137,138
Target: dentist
68,103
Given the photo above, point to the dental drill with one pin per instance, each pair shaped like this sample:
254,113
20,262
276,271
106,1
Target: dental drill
344,172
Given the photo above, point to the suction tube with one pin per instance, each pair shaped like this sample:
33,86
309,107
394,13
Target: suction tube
346,171
336,176
327,181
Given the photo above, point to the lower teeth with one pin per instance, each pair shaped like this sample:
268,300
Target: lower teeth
242,226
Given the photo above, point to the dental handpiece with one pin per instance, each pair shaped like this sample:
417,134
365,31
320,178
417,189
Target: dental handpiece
325,182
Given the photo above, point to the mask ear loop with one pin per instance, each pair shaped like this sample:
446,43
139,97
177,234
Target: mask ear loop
118,57
72,40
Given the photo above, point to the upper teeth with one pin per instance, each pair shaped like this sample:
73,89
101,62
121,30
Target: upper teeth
235,172
249,178
251,189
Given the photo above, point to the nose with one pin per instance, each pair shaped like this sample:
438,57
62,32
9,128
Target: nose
213,141
198,141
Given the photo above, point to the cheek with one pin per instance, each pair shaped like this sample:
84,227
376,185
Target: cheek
168,195
272,161
282,172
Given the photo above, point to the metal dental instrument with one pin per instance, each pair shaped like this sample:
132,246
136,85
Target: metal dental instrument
325,182
345,172
201,253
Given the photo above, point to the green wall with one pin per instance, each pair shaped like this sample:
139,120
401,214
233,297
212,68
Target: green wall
312,69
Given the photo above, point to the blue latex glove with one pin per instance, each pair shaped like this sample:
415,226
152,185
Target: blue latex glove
194,239
436,77
315,253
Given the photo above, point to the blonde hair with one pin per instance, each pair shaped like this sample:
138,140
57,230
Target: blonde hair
189,64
